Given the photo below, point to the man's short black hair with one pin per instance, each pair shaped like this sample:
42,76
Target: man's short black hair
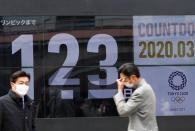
18,74
129,69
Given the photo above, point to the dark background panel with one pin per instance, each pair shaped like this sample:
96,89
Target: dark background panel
176,123
96,7
82,124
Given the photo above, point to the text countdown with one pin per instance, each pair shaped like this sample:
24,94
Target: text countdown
164,40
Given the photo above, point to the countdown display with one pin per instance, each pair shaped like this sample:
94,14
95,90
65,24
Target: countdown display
73,60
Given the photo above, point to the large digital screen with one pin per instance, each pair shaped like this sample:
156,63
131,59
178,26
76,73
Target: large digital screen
73,60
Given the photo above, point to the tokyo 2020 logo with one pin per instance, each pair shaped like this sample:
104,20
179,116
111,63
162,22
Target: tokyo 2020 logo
177,80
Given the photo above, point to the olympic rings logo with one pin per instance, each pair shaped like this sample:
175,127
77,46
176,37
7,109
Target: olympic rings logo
178,99
183,80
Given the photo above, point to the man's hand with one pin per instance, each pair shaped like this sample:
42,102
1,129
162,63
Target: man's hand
120,85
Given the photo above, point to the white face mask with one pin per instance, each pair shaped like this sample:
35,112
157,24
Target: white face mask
21,89
129,85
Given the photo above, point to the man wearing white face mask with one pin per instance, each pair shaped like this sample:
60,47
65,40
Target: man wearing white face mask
16,108
141,106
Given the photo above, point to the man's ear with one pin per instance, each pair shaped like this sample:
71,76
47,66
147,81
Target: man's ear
12,85
134,78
